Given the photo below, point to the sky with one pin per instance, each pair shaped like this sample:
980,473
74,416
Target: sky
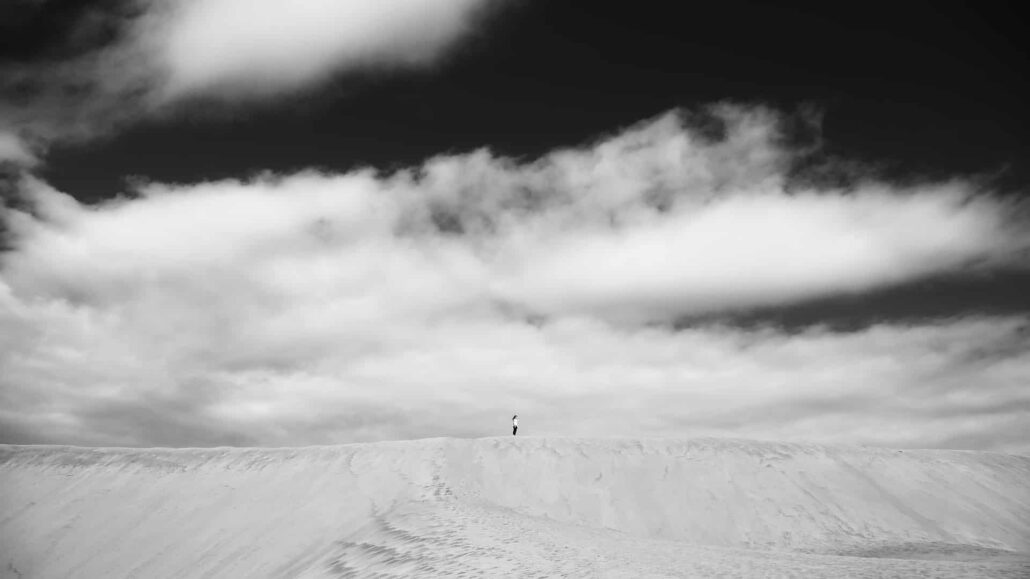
258,223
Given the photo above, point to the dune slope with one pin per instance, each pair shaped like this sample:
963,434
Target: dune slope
514,507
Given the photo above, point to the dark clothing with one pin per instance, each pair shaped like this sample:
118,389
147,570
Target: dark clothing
514,429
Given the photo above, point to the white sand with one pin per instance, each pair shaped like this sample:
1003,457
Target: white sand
501,507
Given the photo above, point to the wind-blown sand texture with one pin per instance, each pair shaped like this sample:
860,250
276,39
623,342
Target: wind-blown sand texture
504,507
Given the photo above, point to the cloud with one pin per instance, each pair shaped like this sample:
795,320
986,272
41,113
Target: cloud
254,48
316,308
14,150
753,251
148,58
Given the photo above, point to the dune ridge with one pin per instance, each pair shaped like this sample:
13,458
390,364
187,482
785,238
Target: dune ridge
514,507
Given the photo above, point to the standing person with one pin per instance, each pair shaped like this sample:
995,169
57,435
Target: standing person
514,424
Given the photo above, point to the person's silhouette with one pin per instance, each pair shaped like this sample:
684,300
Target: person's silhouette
514,424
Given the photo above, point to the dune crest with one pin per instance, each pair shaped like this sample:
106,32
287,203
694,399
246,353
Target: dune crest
514,507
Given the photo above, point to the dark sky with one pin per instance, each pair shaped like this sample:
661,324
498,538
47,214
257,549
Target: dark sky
915,88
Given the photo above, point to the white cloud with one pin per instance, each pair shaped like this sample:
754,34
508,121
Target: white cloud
759,250
165,52
318,308
247,48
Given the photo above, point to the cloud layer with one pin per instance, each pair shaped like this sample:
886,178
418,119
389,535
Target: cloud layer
438,300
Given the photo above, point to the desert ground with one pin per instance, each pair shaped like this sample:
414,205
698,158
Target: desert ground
514,507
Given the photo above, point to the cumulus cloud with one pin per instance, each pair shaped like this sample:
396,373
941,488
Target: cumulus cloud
314,308
141,58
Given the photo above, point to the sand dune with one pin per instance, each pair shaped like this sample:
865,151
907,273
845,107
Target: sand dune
530,507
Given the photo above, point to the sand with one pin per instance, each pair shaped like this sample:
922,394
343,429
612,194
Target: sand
504,507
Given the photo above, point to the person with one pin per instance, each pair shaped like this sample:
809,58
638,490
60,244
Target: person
514,424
